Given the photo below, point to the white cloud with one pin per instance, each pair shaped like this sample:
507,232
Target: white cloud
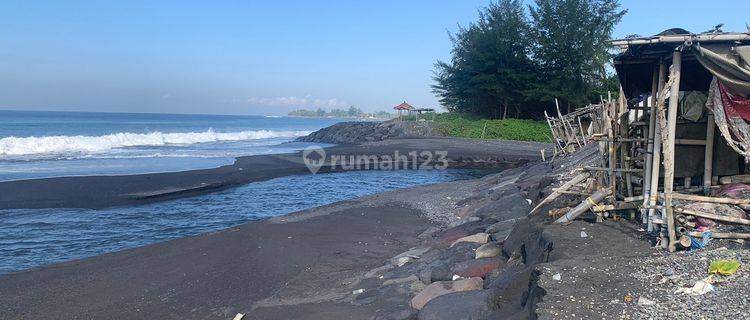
307,101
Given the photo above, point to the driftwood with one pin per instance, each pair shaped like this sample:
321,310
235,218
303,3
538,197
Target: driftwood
584,206
713,216
556,193
722,235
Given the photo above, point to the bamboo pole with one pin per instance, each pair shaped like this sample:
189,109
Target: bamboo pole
650,150
709,155
567,128
674,94
552,130
611,144
560,118
656,155
713,216
624,154
722,235
740,178
698,198
556,193
584,206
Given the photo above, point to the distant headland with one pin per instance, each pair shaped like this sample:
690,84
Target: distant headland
352,113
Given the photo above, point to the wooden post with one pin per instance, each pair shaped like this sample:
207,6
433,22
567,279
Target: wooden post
552,130
656,155
650,150
611,144
709,155
674,94
624,155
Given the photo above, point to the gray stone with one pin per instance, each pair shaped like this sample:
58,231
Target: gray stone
467,305
440,288
487,250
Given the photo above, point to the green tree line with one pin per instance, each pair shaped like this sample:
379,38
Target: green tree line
516,59
352,112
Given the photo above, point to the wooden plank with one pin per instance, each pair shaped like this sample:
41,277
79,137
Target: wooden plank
690,142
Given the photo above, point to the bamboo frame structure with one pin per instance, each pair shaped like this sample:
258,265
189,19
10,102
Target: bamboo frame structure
638,147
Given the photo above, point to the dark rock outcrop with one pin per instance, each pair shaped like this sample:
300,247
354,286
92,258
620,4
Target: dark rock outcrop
359,132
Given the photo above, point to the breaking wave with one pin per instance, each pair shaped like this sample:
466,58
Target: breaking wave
57,145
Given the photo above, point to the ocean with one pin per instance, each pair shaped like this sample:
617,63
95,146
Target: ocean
53,144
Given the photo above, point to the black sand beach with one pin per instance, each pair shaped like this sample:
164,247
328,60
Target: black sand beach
299,266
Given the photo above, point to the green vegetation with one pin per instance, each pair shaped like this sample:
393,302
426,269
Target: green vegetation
515,60
352,112
472,126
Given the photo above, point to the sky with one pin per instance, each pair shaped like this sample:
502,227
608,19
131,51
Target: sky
256,57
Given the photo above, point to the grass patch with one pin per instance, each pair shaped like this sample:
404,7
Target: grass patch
470,126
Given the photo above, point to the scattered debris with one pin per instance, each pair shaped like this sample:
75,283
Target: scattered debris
239,316
645,301
699,288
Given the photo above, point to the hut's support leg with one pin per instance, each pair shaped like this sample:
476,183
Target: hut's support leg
709,155
656,157
649,151
674,93
612,145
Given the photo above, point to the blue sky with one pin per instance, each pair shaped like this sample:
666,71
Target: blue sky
254,57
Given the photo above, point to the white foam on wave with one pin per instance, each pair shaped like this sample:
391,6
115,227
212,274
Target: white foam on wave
58,145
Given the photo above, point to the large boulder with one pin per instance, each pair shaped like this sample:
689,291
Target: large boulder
446,237
507,207
477,267
440,288
500,230
467,305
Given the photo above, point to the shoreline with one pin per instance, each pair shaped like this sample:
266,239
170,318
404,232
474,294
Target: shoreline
96,192
287,265
335,261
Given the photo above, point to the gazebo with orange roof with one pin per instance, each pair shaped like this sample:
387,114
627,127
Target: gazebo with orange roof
403,107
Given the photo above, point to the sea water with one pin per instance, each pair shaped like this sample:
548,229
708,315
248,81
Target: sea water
52,144
36,237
